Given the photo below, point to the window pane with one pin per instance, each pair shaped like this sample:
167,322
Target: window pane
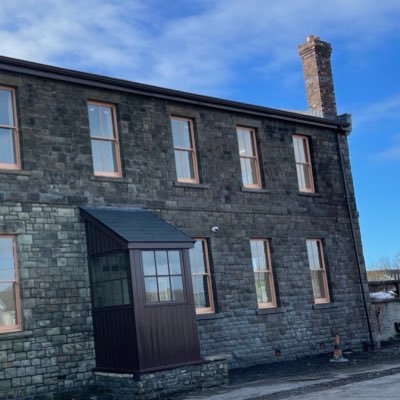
200,291
164,289
6,108
241,142
263,287
103,154
8,315
184,164
174,263
149,266
177,288
318,284
197,255
150,285
6,253
176,136
313,254
162,263
7,146
186,135
299,145
248,143
301,178
106,121
94,120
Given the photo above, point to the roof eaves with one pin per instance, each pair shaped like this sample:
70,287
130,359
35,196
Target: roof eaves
104,82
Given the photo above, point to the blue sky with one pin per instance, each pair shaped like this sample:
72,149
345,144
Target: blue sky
245,51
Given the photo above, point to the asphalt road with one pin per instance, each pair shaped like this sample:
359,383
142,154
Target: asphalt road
387,388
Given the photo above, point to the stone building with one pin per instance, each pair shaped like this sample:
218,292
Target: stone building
106,185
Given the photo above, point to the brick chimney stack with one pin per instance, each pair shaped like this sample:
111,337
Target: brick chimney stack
316,57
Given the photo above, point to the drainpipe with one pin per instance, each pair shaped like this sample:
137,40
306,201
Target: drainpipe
353,235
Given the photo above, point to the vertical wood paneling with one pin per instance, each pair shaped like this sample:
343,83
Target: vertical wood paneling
166,332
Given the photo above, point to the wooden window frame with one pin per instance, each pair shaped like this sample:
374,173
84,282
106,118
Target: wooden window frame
267,249
211,309
14,128
311,189
326,299
115,140
254,157
18,311
190,150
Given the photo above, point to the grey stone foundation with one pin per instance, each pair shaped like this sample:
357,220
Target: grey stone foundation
211,373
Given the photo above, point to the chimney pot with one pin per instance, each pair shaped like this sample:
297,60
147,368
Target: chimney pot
316,57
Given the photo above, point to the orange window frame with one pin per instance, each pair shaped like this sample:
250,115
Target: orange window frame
18,311
115,140
267,254
321,258
254,157
211,309
308,164
14,128
190,150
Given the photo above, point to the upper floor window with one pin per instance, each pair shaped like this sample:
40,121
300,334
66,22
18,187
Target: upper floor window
303,163
163,280
318,271
185,150
9,141
10,311
104,139
201,277
263,277
249,162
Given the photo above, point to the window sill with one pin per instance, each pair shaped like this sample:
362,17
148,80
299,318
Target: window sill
15,172
307,194
265,311
255,190
321,306
191,185
118,179
201,317
15,335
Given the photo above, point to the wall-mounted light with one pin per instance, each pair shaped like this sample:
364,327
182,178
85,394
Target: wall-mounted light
215,228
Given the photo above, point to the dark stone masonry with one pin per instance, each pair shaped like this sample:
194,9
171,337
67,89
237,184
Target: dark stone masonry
53,352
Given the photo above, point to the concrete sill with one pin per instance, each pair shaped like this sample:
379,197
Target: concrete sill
116,179
191,185
267,311
15,172
324,305
261,191
305,194
15,335
202,317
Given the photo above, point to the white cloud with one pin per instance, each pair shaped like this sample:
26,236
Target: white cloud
197,47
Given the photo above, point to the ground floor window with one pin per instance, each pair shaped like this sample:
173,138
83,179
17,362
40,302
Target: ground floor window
263,277
10,312
201,277
318,271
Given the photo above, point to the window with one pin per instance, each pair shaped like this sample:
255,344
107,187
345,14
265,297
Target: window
318,272
248,157
303,163
263,277
201,277
104,139
9,141
185,150
10,312
162,276
110,279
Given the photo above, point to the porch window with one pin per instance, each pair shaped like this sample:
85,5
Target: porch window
162,276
